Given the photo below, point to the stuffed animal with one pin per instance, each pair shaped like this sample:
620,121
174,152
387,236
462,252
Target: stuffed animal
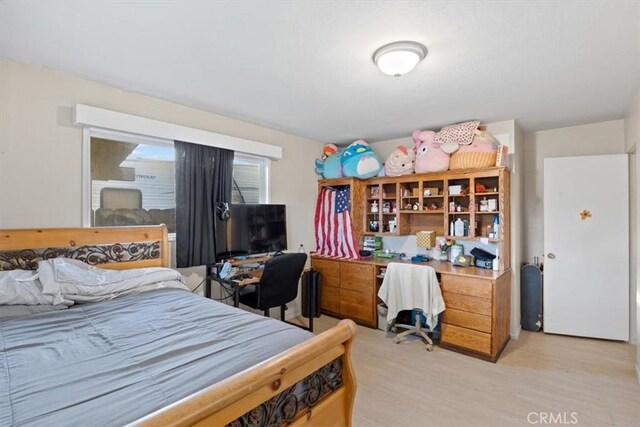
330,166
400,162
329,150
429,156
356,160
481,153
452,137
359,160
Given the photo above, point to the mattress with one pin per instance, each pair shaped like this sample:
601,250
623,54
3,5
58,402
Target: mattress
112,362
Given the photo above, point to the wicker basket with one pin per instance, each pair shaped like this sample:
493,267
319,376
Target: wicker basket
472,160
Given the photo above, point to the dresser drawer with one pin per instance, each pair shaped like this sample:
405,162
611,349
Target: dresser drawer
357,277
472,286
467,303
474,321
330,299
357,305
466,338
329,271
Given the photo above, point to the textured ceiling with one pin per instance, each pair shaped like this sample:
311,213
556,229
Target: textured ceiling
305,67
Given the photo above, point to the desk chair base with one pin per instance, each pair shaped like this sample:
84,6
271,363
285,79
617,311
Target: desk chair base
283,308
417,329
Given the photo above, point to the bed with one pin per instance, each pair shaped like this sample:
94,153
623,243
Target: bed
163,357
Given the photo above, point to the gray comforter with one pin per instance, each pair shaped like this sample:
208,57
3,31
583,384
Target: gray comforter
112,362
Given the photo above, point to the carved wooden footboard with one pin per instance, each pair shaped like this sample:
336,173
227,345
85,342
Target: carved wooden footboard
311,384
247,398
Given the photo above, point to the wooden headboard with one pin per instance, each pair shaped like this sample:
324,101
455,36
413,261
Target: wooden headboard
108,247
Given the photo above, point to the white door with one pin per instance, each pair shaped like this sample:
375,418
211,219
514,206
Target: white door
586,244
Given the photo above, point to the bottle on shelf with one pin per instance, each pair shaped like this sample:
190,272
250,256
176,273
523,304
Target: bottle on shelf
495,264
459,228
451,228
496,226
484,205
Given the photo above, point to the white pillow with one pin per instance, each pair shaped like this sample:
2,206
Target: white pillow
74,280
22,287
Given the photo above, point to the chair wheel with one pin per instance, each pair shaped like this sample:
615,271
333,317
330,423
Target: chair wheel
394,330
429,347
396,340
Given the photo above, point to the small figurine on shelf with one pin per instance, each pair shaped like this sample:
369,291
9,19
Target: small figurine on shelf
375,191
433,206
386,207
408,206
480,188
374,207
416,206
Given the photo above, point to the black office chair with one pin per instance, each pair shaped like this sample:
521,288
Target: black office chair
278,284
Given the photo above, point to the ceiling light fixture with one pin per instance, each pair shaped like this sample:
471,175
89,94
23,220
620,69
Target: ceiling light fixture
398,58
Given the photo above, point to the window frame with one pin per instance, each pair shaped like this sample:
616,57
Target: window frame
265,171
91,132
87,134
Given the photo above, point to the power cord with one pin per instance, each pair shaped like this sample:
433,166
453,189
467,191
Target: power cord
228,291
198,287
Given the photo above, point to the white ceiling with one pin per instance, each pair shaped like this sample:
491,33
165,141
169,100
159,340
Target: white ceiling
305,67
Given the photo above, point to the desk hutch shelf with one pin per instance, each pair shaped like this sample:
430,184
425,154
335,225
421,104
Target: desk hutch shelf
476,321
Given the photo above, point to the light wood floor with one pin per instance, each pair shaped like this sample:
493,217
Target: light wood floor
403,384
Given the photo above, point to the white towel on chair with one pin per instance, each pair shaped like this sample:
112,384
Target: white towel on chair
409,286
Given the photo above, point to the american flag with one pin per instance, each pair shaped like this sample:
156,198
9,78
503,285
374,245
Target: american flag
334,231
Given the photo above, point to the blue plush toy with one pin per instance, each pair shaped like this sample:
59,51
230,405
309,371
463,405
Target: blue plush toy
330,165
359,160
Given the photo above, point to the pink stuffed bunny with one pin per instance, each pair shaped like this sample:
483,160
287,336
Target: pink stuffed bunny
429,156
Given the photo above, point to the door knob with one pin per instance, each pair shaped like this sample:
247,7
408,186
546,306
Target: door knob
551,255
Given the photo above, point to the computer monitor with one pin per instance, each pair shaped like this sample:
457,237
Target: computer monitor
253,229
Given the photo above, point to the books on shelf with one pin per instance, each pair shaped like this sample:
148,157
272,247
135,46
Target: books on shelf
372,243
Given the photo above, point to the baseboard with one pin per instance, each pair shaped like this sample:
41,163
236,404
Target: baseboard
514,335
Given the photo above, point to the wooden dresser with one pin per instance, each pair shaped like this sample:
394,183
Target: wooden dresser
347,290
476,319
478,301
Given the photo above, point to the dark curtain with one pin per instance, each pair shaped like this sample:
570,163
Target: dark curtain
203,179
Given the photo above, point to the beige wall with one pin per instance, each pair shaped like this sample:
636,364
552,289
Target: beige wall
40,150
585,140
632,142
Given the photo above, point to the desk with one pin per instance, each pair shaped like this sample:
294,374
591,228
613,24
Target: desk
476,318
256,273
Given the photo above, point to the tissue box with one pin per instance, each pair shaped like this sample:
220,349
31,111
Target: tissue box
426,239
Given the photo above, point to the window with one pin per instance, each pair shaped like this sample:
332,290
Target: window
250,177
131,180
132,183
